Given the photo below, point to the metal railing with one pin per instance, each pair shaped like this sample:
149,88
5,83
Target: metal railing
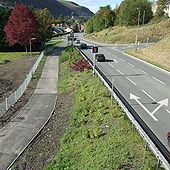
14,97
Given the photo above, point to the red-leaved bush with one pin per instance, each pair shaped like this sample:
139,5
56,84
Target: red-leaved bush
81,65
21,27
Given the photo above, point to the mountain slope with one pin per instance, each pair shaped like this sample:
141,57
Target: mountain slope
57,8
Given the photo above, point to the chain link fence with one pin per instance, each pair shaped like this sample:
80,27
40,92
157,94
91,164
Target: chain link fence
13,98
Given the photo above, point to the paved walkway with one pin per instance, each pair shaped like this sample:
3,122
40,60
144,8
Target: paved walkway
16,136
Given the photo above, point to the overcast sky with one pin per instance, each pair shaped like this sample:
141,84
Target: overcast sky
94,5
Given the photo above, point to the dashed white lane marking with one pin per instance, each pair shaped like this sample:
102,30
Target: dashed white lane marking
148,95
158,80
119,72
143,71
111,65
122,60
131,64
131,81
115,61
168,111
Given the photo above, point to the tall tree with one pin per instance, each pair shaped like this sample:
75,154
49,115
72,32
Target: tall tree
21,26
129,10
4,14
45,21
89,26
161,6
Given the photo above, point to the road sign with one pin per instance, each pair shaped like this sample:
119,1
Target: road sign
95,50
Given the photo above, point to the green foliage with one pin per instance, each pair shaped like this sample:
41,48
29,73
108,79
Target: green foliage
45,20
104,18
161,6
98,137
4,14
129,10
89,26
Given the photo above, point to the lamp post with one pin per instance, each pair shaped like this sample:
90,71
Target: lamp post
31,54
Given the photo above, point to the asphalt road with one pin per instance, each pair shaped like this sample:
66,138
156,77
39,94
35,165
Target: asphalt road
144,86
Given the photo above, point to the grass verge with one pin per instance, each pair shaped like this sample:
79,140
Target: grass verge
99,136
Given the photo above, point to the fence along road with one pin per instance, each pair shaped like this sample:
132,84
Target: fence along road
13,98
16,136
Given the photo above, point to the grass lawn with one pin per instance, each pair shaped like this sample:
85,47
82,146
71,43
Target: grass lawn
99,136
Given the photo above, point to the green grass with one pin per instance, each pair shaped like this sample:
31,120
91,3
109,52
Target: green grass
99,136
10,56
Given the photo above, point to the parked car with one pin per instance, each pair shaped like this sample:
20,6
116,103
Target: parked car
100,57
83,46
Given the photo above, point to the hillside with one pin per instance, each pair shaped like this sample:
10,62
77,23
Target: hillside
57,8
122,34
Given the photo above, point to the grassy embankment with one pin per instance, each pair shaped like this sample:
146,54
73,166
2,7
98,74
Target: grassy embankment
122,34
98,136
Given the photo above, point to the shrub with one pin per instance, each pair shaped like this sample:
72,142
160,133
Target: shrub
81,65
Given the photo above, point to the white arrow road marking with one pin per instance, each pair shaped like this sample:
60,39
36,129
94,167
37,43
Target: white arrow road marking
162,103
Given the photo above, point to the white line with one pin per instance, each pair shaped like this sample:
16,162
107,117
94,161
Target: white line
131,81
148,95
111,65
168,111
115,61
122,60
115,56
143,71
131,64
158,80
120,72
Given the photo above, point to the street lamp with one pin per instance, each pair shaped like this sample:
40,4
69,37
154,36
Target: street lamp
31,54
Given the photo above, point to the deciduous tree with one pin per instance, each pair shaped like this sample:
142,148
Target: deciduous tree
21,27
45,21
129,10
161,6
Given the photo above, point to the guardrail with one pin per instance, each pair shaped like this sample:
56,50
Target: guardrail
15,96
159,150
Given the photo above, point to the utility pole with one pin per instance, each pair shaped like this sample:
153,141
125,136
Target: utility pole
136,41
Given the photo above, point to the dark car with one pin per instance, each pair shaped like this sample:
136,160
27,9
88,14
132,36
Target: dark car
100,57
83,46
77,41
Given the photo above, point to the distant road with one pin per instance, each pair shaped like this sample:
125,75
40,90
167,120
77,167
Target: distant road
144,86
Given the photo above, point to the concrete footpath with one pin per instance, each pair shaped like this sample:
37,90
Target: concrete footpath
16,136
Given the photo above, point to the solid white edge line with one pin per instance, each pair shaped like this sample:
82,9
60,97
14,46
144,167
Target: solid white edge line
158,80
131,81
148,95
168,111
119,72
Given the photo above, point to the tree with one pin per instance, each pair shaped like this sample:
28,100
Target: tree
45,21
104,18
89,26
21,28
4,14
129,10
161,6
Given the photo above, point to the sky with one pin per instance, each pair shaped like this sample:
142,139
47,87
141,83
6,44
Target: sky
94,5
